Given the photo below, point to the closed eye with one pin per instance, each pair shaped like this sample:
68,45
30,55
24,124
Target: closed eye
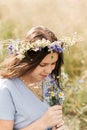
54,63
43,65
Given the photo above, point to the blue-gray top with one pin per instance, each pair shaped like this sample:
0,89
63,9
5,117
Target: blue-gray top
18,103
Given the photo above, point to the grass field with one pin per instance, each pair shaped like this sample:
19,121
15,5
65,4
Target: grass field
63,17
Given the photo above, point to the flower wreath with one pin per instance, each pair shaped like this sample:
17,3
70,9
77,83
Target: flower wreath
21,47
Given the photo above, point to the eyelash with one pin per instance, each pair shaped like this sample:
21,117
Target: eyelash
45,65
42,65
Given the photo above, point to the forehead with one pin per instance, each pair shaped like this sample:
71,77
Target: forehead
50,58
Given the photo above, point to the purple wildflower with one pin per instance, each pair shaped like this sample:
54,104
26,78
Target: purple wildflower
56,48
52,47
46,94
52,81
40,48
80,81
10,49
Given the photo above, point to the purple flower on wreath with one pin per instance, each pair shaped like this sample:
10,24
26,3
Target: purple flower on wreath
58,49
40,48
10,49
56,46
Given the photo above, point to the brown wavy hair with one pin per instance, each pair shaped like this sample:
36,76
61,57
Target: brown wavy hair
13,67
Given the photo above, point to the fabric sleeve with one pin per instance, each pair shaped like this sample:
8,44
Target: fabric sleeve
7,109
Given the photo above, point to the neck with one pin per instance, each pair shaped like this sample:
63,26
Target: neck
28,79
33,85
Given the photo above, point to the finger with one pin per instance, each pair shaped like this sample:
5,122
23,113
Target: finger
61,128
60,124
59,118
57,112
54,128
56,107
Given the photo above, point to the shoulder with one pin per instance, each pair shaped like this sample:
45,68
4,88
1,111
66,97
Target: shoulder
7,84
7,109
4,85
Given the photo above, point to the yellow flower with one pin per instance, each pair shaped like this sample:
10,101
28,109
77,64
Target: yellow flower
52,94
46,81
61,95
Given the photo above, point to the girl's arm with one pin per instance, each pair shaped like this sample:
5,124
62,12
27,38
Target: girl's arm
6,125
51,118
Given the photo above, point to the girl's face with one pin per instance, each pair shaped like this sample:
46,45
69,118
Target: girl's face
45,67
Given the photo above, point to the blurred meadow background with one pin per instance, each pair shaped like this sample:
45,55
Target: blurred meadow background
63,17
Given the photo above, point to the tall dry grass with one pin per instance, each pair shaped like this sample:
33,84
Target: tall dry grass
63,17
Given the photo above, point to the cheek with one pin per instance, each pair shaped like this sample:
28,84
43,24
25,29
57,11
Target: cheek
38,70
53,67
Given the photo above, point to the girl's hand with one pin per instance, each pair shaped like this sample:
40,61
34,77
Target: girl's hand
52,117
59,126
62,127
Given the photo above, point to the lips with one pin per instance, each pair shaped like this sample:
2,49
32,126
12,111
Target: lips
44,75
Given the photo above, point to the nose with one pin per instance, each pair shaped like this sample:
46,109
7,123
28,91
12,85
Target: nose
48,69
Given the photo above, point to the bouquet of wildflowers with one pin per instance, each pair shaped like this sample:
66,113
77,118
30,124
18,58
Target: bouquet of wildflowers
53,95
